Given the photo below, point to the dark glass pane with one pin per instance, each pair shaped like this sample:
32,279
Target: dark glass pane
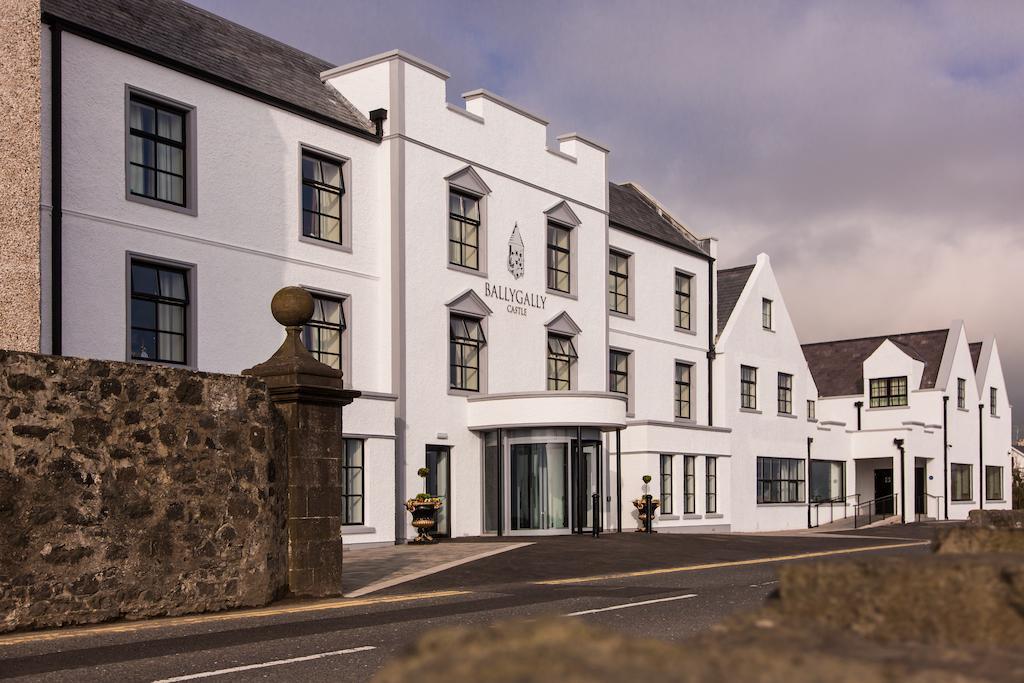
142,117
143,314
143,344
169,125
144,279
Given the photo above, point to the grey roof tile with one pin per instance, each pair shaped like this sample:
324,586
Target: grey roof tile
631,211
231,54
975,348
731,282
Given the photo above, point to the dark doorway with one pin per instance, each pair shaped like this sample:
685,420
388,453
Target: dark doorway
439,484
919,506
585,483
883,492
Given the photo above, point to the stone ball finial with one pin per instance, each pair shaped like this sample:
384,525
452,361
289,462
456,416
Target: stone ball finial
292,306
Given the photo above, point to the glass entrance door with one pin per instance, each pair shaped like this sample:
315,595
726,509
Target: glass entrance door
586,483
539,489
439,484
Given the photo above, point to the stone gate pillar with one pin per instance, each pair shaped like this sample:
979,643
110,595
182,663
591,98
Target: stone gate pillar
310,396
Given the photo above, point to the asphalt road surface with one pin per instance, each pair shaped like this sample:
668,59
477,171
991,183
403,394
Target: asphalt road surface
668,588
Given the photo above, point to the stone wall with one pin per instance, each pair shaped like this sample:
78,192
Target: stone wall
19,174
135,490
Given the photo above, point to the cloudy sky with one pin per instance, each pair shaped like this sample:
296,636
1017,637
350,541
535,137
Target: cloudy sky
874,150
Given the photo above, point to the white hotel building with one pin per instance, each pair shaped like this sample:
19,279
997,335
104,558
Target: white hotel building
537,336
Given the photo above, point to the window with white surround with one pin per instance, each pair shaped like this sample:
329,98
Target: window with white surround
780,480
684,283
785,393
324,333
812,410
710,484
766,314
666,484
160,150
562,358
618,371
463,230
993,482
324,198
466,341
748,387
159,308
993,395
961,393
559,258
888,392
960,484
689,484
352,468
618,282
682,397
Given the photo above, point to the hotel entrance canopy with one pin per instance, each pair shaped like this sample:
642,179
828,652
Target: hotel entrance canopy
603,410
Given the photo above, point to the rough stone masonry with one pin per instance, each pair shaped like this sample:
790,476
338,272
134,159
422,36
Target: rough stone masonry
135,490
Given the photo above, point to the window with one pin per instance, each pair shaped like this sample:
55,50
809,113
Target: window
323,333
785,393
812,410
888,392
156,151
618,372
993,395
993,482
666,484
466,340
159,308
618,282
352,482
828,480
561,359
683,282
961,393
559,258
710,485
748,387
689,485
683,391
766,314
780,480
323,187
960,488
463,230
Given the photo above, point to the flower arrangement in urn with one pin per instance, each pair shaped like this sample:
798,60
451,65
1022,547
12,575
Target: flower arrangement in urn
424,509
641,506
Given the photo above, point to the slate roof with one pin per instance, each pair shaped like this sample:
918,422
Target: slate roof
186,38
838,366
975,348
731,282
631,211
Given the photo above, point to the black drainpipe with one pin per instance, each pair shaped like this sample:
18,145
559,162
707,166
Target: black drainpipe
859,405
56,215
711,342
981,456
810,440
945,457
903,480
618,478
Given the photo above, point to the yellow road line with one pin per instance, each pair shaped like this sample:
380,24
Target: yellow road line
719,565
148,625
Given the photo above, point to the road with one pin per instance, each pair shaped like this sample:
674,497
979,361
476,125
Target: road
349,640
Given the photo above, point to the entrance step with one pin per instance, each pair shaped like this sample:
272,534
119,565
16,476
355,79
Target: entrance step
838,525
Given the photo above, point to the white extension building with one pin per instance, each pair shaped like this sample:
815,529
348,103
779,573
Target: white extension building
538,337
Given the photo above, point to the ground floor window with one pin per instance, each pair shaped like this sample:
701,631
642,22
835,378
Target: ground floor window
689,485
711,484
780,480
960,488
828,480
993,482
352,482
666,484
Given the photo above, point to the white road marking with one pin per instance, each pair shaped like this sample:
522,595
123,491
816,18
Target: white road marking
631,604
276,662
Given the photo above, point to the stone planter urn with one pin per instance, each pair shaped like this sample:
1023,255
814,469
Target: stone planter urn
641,512
424,514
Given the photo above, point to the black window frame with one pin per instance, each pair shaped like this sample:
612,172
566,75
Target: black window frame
812,409
465,333
160,106
710,484
683,301
776,483
318,186
989,470
959,490
689,484
785,393
961,393
346,495
993,401
748,388
464,220
767,321
665,481
565,355
554,228
683,385
615,375
615,278
886,396
159,299
318,325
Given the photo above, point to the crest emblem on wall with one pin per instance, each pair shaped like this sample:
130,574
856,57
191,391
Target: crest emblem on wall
516,254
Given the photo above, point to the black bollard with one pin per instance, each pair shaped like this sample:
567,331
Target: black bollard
595,526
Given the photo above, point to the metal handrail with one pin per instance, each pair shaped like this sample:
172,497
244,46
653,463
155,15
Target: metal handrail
874,504
938,506
816,506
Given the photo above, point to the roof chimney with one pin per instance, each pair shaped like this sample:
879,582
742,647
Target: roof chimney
379,116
